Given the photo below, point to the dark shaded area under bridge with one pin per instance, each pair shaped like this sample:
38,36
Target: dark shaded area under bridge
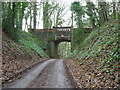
55,36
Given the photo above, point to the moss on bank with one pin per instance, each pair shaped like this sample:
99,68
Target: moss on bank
32,42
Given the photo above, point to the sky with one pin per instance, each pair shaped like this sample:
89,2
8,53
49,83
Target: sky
67,4
67,16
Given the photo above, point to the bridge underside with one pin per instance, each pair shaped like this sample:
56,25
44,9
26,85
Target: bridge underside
52,49
56,44
62,40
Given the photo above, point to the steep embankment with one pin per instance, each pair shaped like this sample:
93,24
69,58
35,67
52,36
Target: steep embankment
32,42
17,57
95,62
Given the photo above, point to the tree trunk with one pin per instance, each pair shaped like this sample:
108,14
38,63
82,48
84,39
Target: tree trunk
13,14
35,12
45,15
91,13
103,12
72,33
30,19
114,10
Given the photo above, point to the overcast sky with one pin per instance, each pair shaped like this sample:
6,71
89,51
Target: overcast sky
67,4
67,16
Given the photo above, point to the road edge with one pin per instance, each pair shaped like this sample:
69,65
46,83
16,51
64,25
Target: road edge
19,74
69,74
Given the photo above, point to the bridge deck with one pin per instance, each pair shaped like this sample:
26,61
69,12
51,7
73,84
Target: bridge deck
56,32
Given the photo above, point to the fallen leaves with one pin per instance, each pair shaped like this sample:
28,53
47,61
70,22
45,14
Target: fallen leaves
16,59
85,77
98,60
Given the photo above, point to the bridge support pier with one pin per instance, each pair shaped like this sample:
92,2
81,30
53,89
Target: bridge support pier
52,49
56,50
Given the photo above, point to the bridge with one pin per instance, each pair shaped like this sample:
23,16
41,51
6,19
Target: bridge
55,36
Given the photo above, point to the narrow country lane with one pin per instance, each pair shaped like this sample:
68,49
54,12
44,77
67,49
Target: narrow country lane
50,74
53,76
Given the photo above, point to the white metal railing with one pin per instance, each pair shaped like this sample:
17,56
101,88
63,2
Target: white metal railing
63,29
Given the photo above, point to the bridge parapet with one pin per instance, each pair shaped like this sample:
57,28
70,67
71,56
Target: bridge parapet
63,29
56,32
62,37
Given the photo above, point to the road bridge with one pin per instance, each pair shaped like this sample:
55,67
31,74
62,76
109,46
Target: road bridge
55,36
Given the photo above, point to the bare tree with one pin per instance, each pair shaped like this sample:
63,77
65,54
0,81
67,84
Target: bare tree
35,12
